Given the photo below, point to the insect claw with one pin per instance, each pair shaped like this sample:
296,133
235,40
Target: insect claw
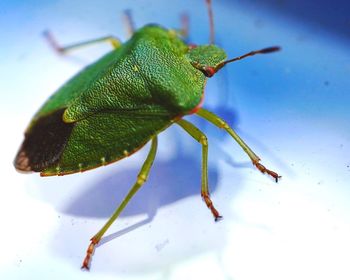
264,170
210,205
89,253
52,42
85,267
277,178
218,218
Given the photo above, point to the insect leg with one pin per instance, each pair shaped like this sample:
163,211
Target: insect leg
141,178
184,31
202,139
211,21
130,26
214,119
116,43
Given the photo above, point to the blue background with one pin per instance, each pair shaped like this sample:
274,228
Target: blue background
291,107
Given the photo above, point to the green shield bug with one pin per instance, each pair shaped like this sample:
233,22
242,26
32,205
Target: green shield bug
112,108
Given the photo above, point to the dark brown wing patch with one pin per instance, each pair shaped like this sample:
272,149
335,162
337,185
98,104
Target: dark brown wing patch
44,143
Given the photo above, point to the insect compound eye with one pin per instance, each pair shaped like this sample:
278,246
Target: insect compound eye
208,71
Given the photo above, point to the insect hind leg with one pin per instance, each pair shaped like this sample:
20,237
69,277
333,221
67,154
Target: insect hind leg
141,179
115,42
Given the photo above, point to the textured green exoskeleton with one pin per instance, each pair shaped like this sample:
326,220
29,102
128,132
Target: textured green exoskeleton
115,106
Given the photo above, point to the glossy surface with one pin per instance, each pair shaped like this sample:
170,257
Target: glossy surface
290,107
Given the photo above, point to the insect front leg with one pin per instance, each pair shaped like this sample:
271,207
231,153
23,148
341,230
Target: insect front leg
115,42
202,139
141,179
214,119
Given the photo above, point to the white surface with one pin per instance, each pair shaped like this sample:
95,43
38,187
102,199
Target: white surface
296,229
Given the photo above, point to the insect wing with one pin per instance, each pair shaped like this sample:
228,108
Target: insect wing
53,147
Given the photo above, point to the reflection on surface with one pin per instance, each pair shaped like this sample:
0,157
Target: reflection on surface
168,182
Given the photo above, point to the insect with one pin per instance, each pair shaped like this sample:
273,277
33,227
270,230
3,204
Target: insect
112,108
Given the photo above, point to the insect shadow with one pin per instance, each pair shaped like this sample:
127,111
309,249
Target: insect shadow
169,181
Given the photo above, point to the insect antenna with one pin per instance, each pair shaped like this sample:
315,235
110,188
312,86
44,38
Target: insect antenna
262,51
211,21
